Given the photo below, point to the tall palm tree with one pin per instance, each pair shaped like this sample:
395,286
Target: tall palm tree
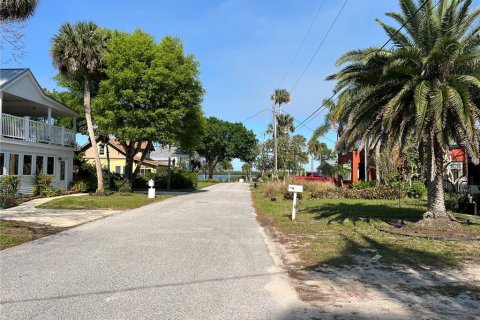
17,10
285,124
77,51
314,149
279,97
427,85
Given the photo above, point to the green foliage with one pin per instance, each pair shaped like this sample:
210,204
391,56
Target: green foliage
373,193
364,184
9,186
151,91
427,86
42,186
223,140
122,185
417,190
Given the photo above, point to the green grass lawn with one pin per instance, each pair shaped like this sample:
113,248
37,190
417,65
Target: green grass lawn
117,201
332,231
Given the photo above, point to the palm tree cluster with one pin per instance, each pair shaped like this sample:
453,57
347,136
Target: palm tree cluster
426,86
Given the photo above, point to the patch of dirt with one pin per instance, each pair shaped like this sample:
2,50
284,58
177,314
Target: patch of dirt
451,231
370,290
23,232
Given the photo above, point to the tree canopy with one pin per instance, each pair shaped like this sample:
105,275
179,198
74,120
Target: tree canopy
223,140
151,92
426,86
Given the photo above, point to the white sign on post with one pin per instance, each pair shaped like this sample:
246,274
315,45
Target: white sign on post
294,188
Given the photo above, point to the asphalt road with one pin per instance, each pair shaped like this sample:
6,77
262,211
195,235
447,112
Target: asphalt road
196,256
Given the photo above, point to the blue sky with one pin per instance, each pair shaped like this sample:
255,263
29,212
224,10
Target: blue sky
244,46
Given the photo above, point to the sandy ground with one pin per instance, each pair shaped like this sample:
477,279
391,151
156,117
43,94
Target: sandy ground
370,290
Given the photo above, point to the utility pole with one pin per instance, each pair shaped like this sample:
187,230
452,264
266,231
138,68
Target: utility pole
275,161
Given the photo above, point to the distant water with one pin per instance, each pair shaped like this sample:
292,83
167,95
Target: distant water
223,177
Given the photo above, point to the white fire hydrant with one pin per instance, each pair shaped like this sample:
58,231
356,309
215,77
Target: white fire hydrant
151,189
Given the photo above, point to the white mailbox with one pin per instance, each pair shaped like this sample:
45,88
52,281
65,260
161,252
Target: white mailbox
151,183
295,188
151,189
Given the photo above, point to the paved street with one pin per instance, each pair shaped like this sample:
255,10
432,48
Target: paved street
195,256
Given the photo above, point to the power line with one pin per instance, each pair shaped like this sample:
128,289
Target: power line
256,114
381,48
301,44
321,44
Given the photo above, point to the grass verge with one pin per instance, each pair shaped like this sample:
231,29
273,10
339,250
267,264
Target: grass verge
13,232
337,231
117,201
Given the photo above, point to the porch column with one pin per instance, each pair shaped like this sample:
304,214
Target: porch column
49,123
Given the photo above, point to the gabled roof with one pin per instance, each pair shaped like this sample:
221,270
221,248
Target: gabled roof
8,75
20,84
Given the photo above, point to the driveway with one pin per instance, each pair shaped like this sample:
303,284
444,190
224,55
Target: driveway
28,212
197,256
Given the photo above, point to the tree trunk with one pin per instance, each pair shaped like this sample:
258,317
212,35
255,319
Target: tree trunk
311,164
88,117
436,201
210,171
108,167
142,158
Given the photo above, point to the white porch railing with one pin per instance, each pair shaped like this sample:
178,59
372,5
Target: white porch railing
34,131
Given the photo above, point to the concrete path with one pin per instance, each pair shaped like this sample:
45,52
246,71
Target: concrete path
28,212
197,256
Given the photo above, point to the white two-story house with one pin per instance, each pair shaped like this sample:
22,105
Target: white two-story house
30,143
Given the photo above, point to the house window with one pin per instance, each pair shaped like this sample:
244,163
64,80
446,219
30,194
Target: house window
145,170
101,149
39,165
13,165
2,163
62,170
27,165
457,169
50,165
118,169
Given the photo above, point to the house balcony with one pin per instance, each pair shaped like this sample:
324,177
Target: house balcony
22,128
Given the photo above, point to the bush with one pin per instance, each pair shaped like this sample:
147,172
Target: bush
178,180
9,186
364,184
374,193
417,190
80,186
122,185
212,180
42,186
183,180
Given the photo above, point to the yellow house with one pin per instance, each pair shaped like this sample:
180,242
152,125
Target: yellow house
116,153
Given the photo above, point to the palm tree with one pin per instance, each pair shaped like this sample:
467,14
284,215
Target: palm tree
279,97
17,10
314,149
76,51
427,85
285,124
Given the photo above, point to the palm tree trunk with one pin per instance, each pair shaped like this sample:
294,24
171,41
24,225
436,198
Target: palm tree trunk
436,201
88,117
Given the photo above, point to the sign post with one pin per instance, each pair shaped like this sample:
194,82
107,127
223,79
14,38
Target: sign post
295,189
